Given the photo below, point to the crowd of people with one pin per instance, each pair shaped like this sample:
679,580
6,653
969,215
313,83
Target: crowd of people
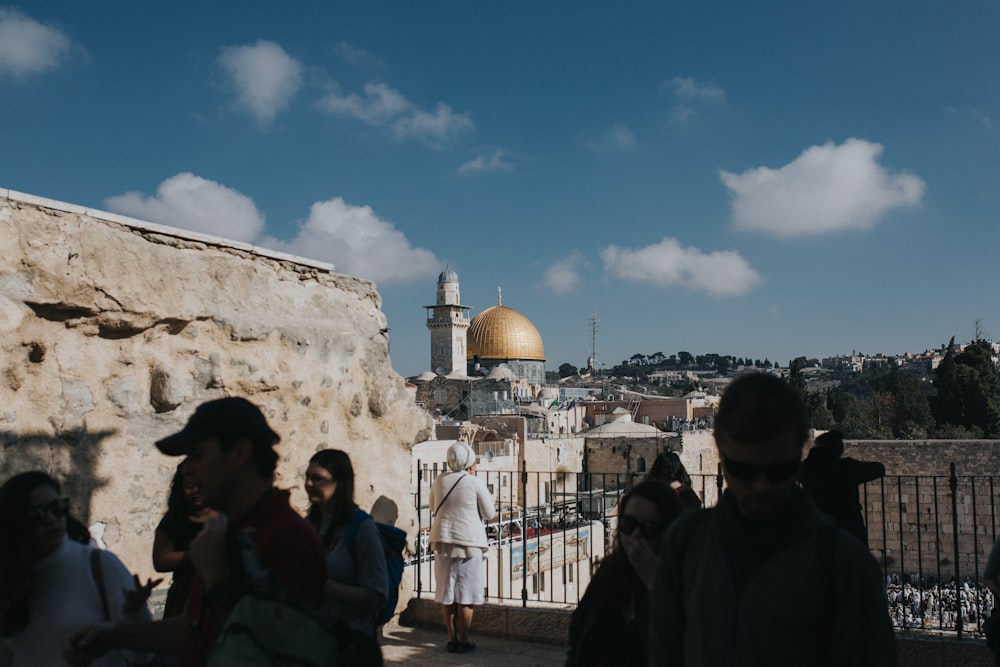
65,601
763,578
777,573
916,604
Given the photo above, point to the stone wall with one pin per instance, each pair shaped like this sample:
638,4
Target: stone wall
112,331
916,520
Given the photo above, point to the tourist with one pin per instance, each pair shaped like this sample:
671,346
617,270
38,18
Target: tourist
230,455
461,502
610,626
668,469
356,578
52,581
765,578
833,481
185,516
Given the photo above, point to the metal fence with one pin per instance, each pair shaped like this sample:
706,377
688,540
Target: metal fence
931,535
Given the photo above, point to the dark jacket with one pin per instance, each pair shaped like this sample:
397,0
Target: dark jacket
791,590
610,626
833,483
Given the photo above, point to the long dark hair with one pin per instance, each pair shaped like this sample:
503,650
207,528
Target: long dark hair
668,468
338,464
615,580
175,521
15,550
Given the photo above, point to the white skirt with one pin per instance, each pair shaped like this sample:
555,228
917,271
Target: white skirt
459,580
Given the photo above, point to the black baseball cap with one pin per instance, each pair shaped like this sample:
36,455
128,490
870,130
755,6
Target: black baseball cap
232,416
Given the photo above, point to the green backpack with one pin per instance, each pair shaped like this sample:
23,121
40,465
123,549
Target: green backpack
265,629
262,632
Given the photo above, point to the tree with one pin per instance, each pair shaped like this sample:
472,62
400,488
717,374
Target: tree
912,416
966,387
685,358
566,370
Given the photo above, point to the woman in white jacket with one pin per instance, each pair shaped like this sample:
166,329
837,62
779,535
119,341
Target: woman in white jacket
461,502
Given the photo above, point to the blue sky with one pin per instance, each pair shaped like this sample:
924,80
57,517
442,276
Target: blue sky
759,179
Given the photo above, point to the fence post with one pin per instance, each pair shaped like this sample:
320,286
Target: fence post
420,561
524,535
720,480
954,534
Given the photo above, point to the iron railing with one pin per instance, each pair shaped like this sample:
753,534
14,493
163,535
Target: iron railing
553,528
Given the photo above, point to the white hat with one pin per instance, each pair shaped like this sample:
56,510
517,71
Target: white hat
460,456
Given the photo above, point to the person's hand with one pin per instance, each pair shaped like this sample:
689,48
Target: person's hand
208,551
135,598
88,643
641,557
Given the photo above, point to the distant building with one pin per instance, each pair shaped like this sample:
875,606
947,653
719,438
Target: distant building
502,338
499,343
448,321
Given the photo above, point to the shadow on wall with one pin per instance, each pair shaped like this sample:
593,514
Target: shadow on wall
70,457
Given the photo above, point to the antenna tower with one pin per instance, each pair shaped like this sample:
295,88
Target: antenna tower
595,325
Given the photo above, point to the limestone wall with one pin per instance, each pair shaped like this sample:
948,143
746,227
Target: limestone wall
113,330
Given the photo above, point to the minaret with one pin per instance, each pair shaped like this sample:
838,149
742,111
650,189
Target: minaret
448,322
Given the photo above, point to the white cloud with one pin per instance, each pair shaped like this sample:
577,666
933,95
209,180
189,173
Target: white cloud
688,90
826,189
618,138
359,243
495,160
383,106
356,56
691,97
197,204
668,264
563,275
28,47
978,115
264,76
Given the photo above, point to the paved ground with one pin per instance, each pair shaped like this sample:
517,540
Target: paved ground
419,646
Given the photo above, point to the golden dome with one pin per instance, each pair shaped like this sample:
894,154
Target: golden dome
503,333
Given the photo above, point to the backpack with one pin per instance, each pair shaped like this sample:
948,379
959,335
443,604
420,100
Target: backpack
269,628
393,546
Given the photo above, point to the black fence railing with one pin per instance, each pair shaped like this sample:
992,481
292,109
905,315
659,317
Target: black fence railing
931,535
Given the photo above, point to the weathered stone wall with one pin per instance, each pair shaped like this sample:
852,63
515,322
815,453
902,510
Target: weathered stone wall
112,331
913,513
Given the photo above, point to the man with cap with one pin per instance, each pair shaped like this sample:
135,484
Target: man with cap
230,454
461,502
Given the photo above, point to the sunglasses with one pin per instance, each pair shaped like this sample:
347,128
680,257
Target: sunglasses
58,508
651,530
779,472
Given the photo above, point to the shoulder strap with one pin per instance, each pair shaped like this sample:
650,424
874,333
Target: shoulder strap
449,493
351,536
98,574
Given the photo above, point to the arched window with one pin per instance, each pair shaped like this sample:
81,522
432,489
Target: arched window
640,465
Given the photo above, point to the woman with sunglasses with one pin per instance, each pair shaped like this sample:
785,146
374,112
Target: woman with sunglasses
610,626
48,582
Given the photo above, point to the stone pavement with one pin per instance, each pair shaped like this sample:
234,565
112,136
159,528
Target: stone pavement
403,645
